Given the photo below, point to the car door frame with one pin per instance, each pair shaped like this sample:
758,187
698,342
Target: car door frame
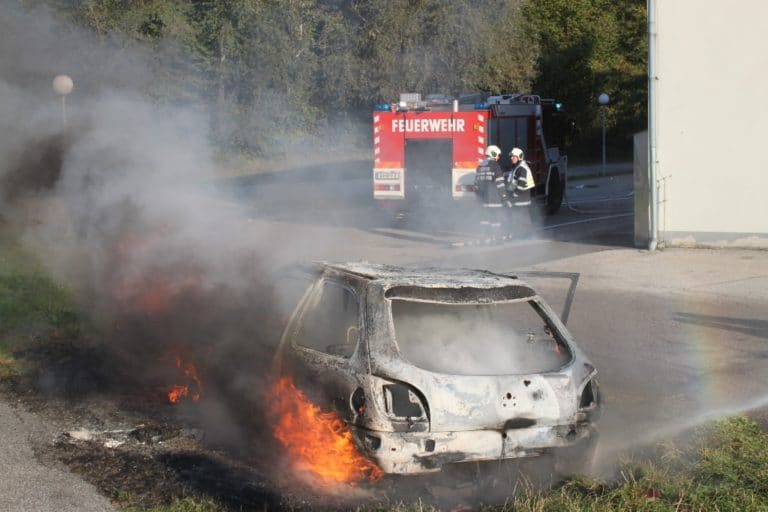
329,380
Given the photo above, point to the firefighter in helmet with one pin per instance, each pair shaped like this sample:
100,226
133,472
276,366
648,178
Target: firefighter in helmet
489,178
519,180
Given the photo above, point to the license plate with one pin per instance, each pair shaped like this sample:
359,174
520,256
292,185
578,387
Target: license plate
386,175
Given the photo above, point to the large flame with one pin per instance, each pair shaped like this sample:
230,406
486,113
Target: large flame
189,372
317,442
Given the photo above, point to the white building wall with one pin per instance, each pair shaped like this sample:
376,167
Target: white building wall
712,119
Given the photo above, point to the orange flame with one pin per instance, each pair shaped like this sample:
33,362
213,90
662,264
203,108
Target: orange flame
318,442
179,391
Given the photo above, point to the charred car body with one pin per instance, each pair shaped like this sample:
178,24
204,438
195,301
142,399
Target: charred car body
431,366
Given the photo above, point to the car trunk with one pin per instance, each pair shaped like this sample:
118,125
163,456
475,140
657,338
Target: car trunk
498,402
480,364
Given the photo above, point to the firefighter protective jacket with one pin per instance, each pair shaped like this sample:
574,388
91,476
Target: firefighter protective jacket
520,184
521,177
486,175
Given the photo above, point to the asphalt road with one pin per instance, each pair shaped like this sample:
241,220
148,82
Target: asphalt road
29,483
341,197
678,336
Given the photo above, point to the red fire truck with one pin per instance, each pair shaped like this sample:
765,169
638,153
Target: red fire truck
426,150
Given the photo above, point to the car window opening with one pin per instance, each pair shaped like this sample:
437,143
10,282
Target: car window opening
477,339
331,324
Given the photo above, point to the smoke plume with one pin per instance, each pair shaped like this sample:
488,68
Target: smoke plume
119,202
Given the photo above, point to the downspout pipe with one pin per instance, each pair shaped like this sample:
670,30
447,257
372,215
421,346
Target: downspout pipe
652,158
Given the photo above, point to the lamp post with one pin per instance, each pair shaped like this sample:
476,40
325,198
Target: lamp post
603,100
63,85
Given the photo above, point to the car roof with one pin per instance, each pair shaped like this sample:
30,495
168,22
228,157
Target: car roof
390,275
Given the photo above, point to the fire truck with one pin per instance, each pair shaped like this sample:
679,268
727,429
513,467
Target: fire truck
426,149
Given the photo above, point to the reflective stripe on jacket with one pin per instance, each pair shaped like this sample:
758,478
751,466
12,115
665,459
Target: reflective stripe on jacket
521,177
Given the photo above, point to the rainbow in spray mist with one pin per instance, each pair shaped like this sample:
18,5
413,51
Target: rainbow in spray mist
718,350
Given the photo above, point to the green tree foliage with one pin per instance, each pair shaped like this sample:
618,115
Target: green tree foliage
435,46
589,47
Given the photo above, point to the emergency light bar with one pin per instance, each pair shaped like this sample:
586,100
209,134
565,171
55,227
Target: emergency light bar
414,102
416,106
384,187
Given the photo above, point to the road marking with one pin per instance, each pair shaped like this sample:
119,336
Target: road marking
601,199
583,221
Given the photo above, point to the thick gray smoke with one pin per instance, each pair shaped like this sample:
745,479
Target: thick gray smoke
120,204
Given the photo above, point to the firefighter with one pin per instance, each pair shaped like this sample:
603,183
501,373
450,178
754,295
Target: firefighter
489,179
519,181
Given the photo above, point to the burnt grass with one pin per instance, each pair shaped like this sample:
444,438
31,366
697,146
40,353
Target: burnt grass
146,477
126,439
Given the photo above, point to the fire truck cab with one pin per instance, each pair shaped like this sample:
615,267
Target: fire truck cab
426,150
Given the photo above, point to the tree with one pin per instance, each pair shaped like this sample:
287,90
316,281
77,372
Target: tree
272,71
589,47
435,46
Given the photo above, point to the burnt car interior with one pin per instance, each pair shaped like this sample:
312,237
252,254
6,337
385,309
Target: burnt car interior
331,321
505,334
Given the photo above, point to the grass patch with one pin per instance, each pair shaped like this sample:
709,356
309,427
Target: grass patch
9,367
725,468
33,299
180,505
33,308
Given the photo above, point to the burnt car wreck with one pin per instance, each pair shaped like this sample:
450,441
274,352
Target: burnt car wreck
430,367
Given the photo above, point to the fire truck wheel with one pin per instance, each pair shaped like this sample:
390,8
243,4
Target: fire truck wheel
555,196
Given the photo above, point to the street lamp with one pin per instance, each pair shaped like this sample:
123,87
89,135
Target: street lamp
603,100
62,85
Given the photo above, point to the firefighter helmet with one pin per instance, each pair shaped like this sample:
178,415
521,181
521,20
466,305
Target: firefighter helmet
516,152
492,151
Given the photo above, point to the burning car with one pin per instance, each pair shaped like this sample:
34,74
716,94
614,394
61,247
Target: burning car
430,367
